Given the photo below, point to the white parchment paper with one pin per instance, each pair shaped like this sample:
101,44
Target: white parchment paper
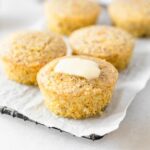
28,100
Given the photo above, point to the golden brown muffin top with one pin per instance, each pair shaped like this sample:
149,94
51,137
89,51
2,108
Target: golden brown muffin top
135,9
62,83
33,48
73,8
101,41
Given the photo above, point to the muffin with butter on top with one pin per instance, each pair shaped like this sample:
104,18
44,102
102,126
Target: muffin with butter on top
77,87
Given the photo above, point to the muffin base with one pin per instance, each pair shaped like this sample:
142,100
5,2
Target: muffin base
20,73
76,107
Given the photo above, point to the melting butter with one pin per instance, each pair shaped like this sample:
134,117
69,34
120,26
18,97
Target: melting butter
78,67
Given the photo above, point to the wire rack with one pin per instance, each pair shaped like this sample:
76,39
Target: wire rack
13,113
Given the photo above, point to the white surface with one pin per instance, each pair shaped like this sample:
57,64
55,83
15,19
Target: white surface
134,132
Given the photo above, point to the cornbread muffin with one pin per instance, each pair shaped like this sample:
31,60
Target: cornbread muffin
23,54
74,96
105,42
65,16
131,15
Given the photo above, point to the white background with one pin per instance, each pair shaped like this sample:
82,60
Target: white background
15,134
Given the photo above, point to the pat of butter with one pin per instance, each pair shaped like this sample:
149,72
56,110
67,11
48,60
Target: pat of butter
78,67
